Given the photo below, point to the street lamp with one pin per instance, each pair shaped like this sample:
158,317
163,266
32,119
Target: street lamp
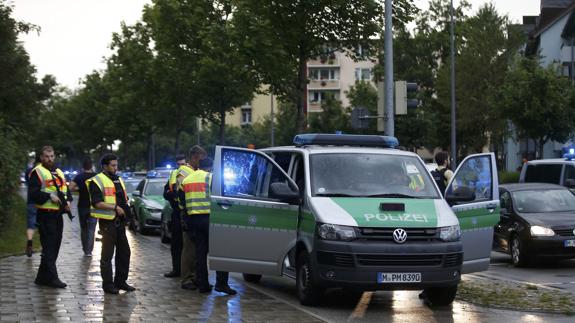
453,125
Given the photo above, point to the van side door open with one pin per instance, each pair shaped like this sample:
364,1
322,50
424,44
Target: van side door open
254,213
475,185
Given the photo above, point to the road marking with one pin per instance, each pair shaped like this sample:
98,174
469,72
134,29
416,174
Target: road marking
361,306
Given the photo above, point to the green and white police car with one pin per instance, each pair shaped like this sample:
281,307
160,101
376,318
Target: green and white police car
350,211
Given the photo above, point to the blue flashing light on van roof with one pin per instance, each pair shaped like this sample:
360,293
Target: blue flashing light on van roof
345,140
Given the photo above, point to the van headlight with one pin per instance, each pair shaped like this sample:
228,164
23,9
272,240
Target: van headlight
451,233
538,231
336,232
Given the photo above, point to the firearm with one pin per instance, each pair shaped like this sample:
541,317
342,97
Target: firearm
63,200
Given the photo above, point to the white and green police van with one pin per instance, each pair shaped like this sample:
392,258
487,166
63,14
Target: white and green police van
350,211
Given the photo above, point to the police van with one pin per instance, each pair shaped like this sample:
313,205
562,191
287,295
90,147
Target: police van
350,211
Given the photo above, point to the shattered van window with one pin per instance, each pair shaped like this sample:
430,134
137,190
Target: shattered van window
242,172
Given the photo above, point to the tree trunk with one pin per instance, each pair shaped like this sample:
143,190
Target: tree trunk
541,143
222,127
178,141
302,89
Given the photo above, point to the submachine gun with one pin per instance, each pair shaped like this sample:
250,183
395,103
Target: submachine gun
63,200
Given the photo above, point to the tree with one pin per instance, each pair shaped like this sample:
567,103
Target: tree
363,94
283,35
332,118
538,102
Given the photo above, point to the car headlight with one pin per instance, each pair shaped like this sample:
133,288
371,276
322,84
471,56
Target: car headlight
451,233
336,232
538,231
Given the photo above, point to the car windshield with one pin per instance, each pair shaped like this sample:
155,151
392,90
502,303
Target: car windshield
131,186
370,175
154,188
538,201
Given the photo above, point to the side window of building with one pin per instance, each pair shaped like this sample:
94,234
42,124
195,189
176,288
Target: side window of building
543,173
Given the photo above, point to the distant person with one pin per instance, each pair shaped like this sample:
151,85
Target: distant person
109,204
30,208
442,174
50,194
87,223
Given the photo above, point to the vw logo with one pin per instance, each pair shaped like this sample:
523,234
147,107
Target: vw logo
399,235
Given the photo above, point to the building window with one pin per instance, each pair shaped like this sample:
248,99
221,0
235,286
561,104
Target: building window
316,97
363,74
323,74
246,115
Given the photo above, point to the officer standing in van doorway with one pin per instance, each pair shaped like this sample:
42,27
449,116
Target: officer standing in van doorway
195,194
170,195
109,204
188,256
48,190
442,174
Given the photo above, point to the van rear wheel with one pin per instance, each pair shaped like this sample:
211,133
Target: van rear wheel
440,296
252,278
308,293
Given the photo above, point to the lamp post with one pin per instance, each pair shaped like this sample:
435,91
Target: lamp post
388,52
453,110
272,120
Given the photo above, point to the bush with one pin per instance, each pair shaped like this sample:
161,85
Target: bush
12,159
508,177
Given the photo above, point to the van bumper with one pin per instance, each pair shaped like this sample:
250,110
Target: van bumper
357,265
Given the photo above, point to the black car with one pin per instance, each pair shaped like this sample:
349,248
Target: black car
537,222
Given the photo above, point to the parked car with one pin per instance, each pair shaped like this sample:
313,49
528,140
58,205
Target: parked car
147,205
554,171
537,221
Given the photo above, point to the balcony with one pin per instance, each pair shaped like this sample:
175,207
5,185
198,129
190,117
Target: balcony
323,85
328,60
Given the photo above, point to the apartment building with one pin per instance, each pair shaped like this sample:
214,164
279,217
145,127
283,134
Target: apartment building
332,74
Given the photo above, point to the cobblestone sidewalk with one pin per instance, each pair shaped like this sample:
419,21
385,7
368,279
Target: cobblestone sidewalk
156,299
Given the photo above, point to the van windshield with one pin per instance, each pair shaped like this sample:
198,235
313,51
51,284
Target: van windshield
370,175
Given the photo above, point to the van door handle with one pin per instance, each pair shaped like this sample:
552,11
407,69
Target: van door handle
224,205
491,207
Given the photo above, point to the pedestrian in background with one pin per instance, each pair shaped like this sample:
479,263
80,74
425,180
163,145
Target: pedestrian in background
442,174
188,258
109,204
87,223
195,190
51,197
170,195
30,208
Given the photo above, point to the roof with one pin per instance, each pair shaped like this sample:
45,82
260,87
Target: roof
317,149
550,161
545,24
530,186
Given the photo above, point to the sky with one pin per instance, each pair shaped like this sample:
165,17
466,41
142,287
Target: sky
75,34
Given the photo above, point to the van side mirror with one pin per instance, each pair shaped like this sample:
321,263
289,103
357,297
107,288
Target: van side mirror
460,194
570,183
505,212
284,193
136,193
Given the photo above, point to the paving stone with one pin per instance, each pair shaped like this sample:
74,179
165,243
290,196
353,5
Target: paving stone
157,299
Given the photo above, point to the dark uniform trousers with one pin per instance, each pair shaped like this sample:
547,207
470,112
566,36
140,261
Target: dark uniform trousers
114,237
176,243
50,226
200,228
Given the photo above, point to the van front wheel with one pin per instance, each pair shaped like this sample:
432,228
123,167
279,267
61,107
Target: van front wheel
308,293
252,278
440,296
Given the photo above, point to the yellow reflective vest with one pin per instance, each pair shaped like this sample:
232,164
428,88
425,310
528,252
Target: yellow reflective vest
196,188
108,190
49,183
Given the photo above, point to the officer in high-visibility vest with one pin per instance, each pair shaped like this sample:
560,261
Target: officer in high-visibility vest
109,204
195,197
49,192
188,259
170,195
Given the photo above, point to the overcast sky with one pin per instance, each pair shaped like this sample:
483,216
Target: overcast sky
76,34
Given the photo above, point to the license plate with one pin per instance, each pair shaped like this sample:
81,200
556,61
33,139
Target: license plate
569,243
399,278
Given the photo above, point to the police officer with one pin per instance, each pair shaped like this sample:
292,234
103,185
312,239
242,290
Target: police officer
188,260
46,184
109,204
195,193
170,194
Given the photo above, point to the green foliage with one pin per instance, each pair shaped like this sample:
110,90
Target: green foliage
538,102
332,118
283,35
508,177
